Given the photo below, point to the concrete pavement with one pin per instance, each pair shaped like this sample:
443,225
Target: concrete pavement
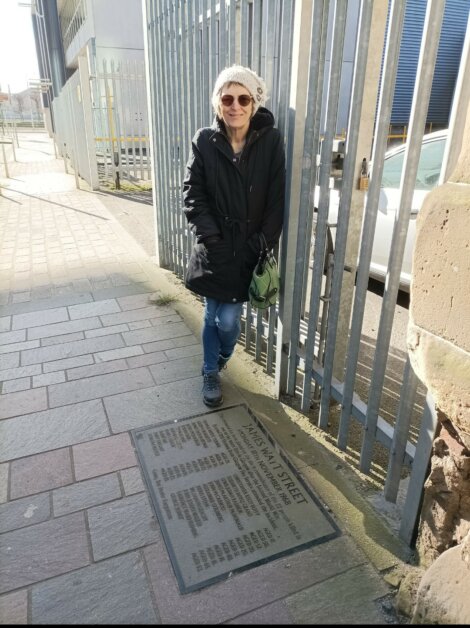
86,355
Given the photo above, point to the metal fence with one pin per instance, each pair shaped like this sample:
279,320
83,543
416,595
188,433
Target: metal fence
101,124
312,341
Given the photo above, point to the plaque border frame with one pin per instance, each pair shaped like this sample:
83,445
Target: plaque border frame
256,563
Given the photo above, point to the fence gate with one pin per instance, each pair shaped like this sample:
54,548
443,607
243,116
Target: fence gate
316,341
101,125
120,123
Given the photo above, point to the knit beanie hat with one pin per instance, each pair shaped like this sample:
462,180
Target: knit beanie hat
246,77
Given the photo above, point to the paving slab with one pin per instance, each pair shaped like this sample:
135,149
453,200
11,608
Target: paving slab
122,525
41,472
3,482
347,598
23,512
174,400
99,386
51,429
249,590
132,481
67,327
43,550
103,455
71,349
114,591
23,402
14,608
85,494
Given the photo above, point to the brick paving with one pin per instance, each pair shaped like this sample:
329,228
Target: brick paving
84,358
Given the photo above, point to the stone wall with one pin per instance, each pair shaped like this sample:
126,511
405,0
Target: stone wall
439,348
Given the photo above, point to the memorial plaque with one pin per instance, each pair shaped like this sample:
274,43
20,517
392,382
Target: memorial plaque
225,495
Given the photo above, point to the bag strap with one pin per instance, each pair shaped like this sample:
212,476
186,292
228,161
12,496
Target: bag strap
262,243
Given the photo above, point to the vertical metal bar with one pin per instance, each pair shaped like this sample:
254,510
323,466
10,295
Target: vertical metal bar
129,125
270,339
308,170
285,54
324,319
334,78
213,45
109,110
244,33
232,29
360,63
198,62
271,25
412,506
259,334
176,141
117,100
458,112
256,38
223,49
392,49
166,137
294,153
419,108
248,317
400,432
186,91
138,83
5,164
150,80
179,137
206,86
172,117
264,29
87,114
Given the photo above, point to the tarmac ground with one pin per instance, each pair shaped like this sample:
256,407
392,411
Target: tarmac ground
86,356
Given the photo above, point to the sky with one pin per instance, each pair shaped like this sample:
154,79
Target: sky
18,62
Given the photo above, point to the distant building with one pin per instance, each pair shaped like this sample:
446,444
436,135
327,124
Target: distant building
24,108
96,30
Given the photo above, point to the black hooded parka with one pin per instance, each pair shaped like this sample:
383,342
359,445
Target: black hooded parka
231,201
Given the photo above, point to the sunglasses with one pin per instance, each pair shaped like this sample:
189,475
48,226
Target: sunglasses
244,100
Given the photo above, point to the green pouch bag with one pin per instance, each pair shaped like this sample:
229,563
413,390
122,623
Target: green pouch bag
264,286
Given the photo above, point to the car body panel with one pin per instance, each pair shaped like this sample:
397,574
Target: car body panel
428,173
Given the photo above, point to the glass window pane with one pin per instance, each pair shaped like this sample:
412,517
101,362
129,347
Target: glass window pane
429,167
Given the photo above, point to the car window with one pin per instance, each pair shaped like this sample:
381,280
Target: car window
429,166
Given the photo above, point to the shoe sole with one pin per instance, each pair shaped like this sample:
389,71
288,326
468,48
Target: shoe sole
213,404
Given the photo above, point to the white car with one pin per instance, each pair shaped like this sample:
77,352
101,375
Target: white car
429,169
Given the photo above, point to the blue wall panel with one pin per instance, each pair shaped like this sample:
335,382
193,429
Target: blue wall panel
447,65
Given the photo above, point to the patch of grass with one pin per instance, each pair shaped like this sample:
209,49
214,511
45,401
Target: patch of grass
163,299
127,186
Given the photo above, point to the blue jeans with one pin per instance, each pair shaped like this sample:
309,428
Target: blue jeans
220,331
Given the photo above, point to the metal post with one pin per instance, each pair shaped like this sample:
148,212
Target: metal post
296,135
87,115
7,174
412,507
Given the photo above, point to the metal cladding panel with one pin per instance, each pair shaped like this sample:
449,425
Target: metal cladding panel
447,64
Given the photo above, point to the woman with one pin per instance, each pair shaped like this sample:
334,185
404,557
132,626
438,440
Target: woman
233,191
